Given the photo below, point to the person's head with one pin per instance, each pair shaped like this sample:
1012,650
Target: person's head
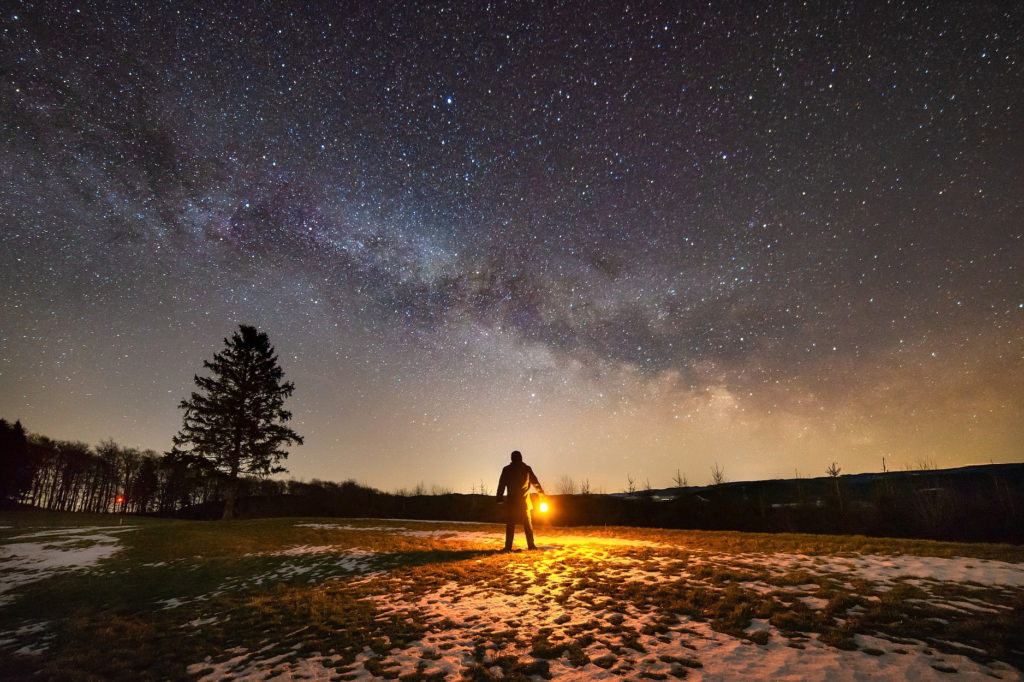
517,456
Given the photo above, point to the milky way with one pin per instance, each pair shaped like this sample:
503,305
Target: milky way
629,241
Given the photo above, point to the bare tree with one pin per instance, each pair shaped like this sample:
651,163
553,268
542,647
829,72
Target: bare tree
833,470
632,483
680,480
566,486
717,475
923,464
585,487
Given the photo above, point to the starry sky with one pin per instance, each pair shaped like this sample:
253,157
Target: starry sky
629,239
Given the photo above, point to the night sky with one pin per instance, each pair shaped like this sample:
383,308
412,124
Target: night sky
626,240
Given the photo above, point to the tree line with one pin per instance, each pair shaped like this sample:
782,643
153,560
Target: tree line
981,503
60,475
232,438
63,475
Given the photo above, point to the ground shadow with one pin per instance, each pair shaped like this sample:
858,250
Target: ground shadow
424,557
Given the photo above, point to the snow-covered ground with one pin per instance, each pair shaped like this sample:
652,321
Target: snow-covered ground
40,554
626,641
592,600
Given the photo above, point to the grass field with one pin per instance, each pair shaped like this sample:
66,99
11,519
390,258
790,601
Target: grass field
82,597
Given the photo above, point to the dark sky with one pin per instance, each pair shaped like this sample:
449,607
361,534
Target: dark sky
626,240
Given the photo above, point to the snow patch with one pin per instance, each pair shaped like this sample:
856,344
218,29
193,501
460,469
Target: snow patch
54,551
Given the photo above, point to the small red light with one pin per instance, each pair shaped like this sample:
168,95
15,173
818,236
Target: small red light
120,499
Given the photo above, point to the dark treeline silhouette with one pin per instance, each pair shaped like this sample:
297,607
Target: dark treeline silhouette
968,504
354,500
971,504
59,475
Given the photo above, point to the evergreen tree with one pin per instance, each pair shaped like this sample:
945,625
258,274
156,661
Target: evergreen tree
16,469
236,422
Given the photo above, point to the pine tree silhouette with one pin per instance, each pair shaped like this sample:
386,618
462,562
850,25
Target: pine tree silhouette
235,424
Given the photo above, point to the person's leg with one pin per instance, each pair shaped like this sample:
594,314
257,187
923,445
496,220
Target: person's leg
510,528
528,529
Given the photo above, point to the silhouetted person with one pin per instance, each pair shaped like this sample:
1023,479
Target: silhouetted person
518,478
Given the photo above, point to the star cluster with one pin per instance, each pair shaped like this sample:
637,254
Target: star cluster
630,238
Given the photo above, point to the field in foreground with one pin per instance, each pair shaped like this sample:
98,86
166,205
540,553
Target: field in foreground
82,597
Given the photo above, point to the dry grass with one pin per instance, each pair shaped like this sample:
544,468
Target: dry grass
239,595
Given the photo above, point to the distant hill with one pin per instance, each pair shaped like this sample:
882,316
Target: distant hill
974,504
957,476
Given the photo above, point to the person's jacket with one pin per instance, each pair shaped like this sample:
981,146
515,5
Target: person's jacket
518,477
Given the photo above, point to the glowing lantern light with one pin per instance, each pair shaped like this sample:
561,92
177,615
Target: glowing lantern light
120,499
543,506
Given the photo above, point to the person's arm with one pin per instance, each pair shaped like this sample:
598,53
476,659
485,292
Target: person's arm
501,486
536,482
